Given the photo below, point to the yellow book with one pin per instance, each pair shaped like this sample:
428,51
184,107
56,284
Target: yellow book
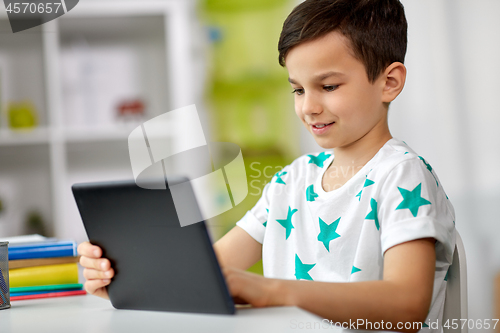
43,275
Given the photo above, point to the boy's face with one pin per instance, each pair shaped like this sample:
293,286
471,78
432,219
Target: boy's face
333,97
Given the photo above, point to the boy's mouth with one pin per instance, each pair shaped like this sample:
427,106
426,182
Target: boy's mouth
321,129
321,125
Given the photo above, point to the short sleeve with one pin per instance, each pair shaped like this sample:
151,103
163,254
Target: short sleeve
255,220
411,204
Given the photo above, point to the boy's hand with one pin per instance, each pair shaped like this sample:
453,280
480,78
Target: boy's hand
98,271
253,289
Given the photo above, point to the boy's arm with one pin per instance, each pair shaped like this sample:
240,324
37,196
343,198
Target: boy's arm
404,294
238,249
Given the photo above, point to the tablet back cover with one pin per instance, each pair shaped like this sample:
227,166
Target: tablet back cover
158,264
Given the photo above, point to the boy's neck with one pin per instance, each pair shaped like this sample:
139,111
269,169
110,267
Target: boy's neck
358,153
351,158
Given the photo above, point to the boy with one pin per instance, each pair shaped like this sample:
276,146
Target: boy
363,232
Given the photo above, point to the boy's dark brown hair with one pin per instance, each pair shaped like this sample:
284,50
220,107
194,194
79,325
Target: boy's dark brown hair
376,29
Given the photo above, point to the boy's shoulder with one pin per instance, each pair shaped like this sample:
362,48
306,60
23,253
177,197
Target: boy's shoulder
399,165
393,153
396,153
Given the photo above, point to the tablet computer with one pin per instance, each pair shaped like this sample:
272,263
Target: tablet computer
158,264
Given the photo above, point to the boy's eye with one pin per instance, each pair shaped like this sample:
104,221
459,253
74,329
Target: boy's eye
298,91
330,88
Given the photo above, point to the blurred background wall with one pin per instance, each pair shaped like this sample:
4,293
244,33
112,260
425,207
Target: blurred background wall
449,112
247,93
59,124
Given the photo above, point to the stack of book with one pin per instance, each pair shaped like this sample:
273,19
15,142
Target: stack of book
41,267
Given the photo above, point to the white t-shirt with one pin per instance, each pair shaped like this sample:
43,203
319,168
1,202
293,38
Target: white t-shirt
341,235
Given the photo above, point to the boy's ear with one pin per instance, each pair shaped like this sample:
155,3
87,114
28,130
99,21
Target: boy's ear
394,77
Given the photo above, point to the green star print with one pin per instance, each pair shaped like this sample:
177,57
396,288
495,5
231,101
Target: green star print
355,270
310,195
328,232
428,166
318,160
359,195
302,270
367,183
412,200
278,177
373,214
287,223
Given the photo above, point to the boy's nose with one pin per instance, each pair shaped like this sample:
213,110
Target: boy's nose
311,105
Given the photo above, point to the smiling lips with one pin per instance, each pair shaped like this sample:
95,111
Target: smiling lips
322,125
319,128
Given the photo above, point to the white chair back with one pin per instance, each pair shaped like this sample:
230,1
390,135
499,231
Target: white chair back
455,304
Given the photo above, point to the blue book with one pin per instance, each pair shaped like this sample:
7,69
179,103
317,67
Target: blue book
42,250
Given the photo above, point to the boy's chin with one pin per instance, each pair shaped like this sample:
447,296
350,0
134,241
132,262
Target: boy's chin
322,141
324,144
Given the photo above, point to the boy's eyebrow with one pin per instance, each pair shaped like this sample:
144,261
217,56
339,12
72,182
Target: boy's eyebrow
321,77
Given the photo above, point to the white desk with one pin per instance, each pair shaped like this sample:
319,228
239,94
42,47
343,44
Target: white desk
89,314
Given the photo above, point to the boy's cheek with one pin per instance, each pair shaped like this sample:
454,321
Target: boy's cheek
297,109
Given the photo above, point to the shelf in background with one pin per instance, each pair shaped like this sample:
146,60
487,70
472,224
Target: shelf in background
80,136
109,61
39,135
42,135
93,134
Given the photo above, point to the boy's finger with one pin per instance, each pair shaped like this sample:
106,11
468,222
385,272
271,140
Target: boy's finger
97,264
92,274
88,250
96,287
